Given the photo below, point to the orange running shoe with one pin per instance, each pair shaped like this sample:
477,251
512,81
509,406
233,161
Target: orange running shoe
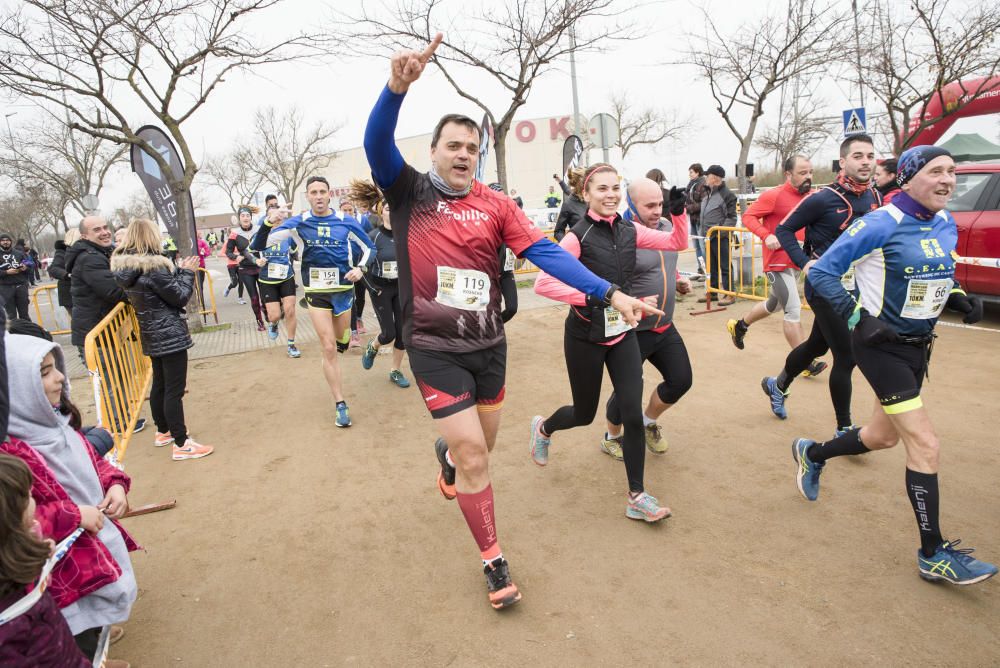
191,450
162,439
502,591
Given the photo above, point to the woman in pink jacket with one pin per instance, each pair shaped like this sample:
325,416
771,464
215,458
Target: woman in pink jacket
94,584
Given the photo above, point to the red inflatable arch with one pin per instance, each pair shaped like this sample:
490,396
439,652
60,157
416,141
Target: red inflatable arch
986,101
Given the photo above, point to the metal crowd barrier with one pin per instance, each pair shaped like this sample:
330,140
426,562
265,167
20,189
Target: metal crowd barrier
121,374
49,319
201,276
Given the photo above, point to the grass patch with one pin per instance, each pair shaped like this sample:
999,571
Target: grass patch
205,329
526,284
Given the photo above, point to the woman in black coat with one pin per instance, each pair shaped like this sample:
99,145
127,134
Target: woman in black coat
158,292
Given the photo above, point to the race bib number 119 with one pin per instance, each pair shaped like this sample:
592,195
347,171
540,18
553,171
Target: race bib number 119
466,289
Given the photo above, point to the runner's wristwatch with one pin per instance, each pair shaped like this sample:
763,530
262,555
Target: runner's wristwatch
612,289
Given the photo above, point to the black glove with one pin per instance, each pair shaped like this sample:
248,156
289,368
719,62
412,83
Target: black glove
676,201
972,307
873,331
60,244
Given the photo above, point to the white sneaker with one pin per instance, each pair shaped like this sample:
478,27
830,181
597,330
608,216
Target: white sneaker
191,450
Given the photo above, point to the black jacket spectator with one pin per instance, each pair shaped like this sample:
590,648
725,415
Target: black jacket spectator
57,270
158,293
572,212
93,288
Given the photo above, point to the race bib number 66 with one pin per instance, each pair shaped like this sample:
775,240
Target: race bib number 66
466,289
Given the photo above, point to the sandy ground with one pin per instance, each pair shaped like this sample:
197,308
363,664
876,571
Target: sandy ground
297,543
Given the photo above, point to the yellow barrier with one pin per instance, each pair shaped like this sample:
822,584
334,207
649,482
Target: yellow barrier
51,322
199,297
121,373
748,261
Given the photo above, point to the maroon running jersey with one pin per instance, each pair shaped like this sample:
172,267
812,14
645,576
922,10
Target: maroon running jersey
449,267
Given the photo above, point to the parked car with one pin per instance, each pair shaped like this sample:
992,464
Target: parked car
976,208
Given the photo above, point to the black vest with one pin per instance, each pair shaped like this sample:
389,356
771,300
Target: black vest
608,250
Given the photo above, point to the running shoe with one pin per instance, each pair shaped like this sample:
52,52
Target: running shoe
655,442
293,352
368,356
806,471
343,416
954,565
538,445
241,301
770,386
225,293
816,368
191,450
260,327
140,424
502,591
446,476
355,340
840,432
272,331
361,327
162,439
647,508
612,446
397,377
736,332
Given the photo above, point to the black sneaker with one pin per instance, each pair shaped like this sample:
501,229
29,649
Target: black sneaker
446,477
502,591
140,424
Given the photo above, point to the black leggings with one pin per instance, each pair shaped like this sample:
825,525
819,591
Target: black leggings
166,396
667,352
585,362
358,309
389,312
829,332
249,281
234,279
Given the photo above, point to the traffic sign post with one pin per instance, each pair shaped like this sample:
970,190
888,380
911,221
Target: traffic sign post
854,122
604,132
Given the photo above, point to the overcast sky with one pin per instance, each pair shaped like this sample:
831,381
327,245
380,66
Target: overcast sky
343,89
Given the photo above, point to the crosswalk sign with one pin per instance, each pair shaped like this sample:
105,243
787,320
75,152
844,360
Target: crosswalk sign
854,121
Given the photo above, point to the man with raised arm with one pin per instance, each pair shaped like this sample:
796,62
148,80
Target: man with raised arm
448,229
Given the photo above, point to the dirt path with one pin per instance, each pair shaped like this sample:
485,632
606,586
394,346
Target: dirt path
300,544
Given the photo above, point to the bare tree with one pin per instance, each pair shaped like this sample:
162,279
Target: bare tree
71,163
288,150
100,60
236,174
510,43
800,128
24,212
745,68
917,49
136,206
645,126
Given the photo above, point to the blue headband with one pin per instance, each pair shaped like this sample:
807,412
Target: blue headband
914,159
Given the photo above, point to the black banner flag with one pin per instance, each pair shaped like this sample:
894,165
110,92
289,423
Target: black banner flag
158,184
571,154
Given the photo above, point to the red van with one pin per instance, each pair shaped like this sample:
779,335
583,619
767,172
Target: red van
976,208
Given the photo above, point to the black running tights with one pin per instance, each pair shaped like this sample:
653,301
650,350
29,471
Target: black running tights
389,312
166,395
585,362
665,351
249,281
829,332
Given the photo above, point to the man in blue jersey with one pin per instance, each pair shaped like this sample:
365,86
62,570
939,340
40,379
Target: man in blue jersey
335,253
904,266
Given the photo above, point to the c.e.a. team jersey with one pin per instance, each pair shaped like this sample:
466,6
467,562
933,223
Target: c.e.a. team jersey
449,267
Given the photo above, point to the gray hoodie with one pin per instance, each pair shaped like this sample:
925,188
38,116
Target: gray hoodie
37,423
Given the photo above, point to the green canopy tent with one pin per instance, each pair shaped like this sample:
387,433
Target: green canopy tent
971,148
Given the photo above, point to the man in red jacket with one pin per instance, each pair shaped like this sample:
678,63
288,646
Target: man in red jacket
761,218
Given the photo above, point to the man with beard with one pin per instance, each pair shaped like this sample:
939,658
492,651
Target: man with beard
13,279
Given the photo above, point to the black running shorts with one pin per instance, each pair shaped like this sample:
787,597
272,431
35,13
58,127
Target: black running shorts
275,292
895,372
452,382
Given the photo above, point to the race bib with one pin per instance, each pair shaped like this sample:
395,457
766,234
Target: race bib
390,270
508,262
847,280
614,323
323,279
926,299
466,289
277,271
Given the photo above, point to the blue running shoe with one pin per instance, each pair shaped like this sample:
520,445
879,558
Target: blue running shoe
807,471
343,416
538,445
368,356
954,565
272,330
770,386
397,377
293,352
837,433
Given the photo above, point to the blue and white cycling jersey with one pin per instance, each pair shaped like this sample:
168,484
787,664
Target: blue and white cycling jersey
904,268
